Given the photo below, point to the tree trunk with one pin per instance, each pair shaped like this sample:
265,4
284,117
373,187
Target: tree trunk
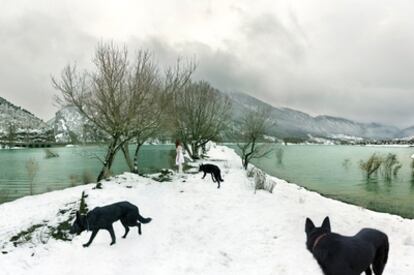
127,156
186,148
136,158
245,162
109,159
195,150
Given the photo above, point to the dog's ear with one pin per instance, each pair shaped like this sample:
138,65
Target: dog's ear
326,224
309,225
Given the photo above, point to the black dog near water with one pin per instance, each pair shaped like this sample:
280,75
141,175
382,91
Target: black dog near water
104,217
340,255
213,170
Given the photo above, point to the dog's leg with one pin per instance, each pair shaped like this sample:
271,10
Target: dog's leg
91,238
204,175
139,228
126,228
212,177
218,186
368,271
112,233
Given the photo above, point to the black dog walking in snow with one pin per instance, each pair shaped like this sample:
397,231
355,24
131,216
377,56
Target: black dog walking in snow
341,255
213,170
104,217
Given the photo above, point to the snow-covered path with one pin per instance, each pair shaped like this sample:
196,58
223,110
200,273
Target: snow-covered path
197,229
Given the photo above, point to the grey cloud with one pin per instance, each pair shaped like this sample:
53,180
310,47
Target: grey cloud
355,61
33,47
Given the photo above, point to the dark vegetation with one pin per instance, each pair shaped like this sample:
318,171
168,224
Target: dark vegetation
58,229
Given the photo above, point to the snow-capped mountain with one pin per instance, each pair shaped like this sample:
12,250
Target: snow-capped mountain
407,133
293,123
70,126
18,124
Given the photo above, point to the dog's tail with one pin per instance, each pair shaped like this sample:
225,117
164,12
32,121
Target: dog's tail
220,178
141,219
381,257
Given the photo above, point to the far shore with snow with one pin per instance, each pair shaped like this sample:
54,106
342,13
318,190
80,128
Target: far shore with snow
196,228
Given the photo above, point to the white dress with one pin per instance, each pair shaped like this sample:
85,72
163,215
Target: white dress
179,159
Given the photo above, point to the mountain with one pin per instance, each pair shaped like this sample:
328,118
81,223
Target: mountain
70,126
18,124
293,123
407,133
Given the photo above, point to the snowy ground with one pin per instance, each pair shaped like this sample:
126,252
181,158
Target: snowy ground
196,228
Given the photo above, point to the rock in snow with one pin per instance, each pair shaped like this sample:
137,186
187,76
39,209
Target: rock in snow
196,228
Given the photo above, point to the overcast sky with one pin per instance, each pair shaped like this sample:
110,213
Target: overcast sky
348,58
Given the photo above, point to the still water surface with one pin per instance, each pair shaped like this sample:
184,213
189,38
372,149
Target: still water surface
334,171
69,168
330,170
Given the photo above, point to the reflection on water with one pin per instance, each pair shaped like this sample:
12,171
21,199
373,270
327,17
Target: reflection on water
334,171
73,166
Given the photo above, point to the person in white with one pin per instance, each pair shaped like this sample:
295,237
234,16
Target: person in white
179,158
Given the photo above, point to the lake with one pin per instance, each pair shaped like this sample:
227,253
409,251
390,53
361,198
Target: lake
69,168
334,171
330,170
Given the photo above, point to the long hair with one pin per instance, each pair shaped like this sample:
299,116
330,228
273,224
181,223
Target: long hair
177,143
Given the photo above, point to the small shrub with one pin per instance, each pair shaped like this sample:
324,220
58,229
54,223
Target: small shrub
396,169
371,166
261,182
390,166
50,154
250,173
25,235
165,175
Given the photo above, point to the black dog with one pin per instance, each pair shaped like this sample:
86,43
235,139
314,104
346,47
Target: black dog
213,170
340,255
104,217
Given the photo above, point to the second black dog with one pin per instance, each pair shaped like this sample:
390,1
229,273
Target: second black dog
341,255
213,170
104,217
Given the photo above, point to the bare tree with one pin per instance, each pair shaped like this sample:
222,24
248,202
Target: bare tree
253,128
199,115
152,96
145,86
102,96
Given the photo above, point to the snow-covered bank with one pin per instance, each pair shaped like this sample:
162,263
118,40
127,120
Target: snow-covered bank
196,228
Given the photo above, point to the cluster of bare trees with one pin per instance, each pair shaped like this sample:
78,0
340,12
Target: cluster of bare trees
201,113
131,100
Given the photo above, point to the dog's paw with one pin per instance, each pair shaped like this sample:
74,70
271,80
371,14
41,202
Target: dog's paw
112,243
85,245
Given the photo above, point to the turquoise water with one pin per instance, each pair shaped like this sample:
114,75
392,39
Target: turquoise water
68,169
334,171
330,170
